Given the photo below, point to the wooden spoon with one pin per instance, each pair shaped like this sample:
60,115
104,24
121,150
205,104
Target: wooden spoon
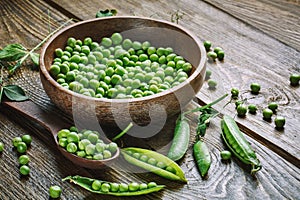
53,124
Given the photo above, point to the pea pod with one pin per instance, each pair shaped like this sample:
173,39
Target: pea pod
170,170
87,183
238,144
202,157
181,139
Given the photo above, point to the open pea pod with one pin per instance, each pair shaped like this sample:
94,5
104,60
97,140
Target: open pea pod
156,163
87,183
237,143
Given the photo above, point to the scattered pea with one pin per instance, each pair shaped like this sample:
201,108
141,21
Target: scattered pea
225,155
252,108
21,147
16,140
207,45
279,122
294,79
212,55
212,84
273,106
1,147
55,191
234,93
241,110
24,160
267,114
255,88
24,170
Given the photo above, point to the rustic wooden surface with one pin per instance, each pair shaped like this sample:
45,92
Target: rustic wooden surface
261,40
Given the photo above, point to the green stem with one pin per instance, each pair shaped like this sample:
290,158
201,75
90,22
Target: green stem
123,132
37,46
206,106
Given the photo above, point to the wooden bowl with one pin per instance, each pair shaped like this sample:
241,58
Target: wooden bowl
142,110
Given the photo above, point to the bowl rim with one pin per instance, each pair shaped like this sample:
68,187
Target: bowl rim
169,91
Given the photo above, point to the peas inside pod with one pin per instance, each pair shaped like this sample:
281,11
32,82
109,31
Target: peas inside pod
112,188
117,67
86,144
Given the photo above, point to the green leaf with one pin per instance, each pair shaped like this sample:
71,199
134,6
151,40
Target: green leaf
14,93
35,58
106,13
12,52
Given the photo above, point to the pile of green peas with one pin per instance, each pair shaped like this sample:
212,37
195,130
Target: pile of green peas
117,67
85,143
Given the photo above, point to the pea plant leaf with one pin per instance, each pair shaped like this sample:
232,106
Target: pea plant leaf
12,52
203,121
14,93
106,13
35,58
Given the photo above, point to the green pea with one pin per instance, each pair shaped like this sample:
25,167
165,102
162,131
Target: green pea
68,54
96,185
279,122
73,137
90,149
234,93
83,143
187,67
87,41
21,147
252,108
211,84
116,38
151,50
123,187
161,164
59,52
100,147
1,147
136,155
107,42
207,44
93,138
135,83
71,147
241,110
127,43
24,170
64,68
71,42
294,79
98,156
114,187
255,88
136,45
221,55
81,154
225,155
116,79
160,51
27,139
24,159
63,133
162,59
267,114
273,106
212,55
133,187
54,70
152,184
143,186
143,57
152,161
106,154
112,147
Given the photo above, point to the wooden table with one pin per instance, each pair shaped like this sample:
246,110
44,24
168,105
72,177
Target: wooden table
261,39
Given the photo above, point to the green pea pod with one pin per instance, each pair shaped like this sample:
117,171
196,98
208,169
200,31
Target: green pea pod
86,183
171,170
238,144
181,139
202,157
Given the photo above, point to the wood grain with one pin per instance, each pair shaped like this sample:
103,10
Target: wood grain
248,55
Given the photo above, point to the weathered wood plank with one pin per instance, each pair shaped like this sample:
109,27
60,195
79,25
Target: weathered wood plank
279,19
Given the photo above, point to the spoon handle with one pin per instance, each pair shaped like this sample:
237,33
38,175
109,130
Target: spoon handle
31,111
